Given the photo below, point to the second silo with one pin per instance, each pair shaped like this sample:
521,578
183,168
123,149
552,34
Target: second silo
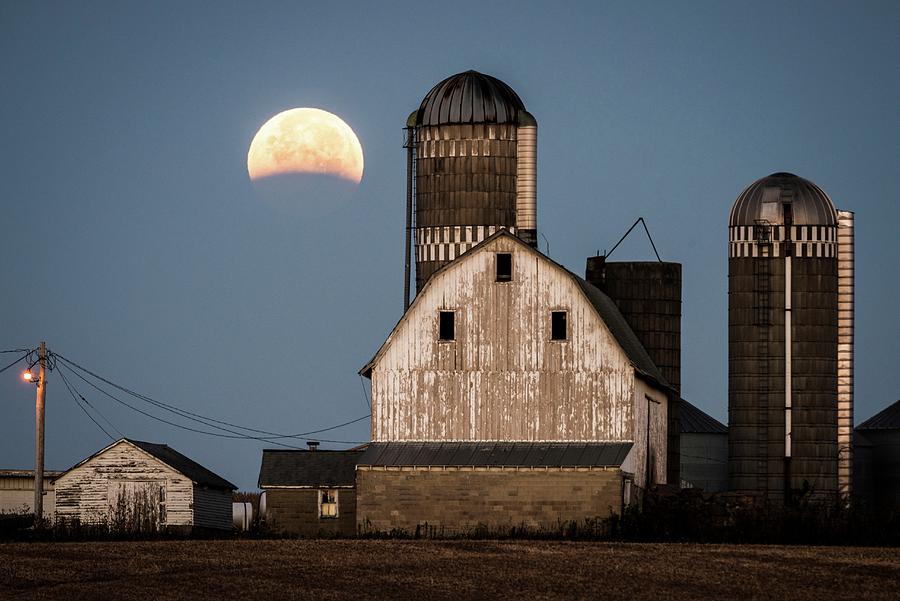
783,342
648,294
472,169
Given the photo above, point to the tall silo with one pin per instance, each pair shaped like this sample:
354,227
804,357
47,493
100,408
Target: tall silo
783,335
472,152
648,294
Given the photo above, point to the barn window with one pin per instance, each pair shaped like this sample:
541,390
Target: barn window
328,503
504,267
447,326
558,325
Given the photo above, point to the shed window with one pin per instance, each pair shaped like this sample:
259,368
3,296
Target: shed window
558,325
504,267
328,503
447,325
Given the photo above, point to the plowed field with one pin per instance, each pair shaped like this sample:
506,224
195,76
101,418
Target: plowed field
431,570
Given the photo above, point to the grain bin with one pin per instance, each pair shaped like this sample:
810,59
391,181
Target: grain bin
783,341
472,163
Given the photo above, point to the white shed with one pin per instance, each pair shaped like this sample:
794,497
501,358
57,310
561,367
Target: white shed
135,485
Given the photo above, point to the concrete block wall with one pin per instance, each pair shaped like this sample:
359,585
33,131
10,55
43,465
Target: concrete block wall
296,511
459,499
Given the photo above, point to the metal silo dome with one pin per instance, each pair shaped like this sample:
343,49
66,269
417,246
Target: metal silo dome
763,201
469,97
471,170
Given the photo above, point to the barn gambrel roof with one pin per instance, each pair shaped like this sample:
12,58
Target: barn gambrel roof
605,308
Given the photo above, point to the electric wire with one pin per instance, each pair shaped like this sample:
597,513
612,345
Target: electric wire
232,434
17,350
159,419
22,358
80,406
209,421
89,404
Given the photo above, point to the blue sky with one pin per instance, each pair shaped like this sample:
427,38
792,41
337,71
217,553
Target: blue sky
135,244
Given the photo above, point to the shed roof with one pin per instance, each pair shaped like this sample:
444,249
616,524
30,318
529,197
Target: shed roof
183,464
887,419
308,468
605,308
48,474
695,421
496,454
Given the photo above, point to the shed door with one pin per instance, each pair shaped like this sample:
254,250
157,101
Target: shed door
136,505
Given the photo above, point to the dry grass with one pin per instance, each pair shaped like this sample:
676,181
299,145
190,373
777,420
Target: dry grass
431,570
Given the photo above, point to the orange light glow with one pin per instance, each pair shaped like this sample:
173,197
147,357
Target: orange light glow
28,376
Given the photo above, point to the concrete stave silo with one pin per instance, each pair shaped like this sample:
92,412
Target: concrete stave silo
471,169
783,340
648,294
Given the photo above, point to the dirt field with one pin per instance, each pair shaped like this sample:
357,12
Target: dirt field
428,570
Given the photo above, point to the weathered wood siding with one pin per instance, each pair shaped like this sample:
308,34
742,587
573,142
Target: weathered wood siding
636,462
502,378
212,508
83,492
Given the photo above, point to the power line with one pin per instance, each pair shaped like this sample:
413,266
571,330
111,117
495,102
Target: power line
206,420
89,404
18,350
232,434
22,358
159,419
74,398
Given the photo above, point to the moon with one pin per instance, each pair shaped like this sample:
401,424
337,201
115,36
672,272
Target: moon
305,140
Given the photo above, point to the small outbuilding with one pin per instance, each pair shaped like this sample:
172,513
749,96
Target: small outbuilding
133,485
310,493
704,450
17,492
882,478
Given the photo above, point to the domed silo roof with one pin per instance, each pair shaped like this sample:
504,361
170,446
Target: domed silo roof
470,97
762,200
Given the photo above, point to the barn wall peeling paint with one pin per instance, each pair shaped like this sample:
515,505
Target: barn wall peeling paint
502,378
648,399
86,491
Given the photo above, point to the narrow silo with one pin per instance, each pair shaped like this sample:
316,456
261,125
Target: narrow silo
471,169
783,340
648,294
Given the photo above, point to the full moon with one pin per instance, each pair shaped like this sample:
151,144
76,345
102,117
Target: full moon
305,140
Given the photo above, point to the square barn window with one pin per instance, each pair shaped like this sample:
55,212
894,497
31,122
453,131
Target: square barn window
328,503
504,267
447,326
558,325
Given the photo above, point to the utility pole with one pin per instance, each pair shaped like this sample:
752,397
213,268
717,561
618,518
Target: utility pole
39,437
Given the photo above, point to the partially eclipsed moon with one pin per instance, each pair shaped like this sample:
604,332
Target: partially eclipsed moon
305,140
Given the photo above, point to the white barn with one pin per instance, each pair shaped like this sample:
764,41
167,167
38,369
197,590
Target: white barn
138,485
503,345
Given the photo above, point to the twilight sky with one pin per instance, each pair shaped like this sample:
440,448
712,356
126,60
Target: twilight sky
134,243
